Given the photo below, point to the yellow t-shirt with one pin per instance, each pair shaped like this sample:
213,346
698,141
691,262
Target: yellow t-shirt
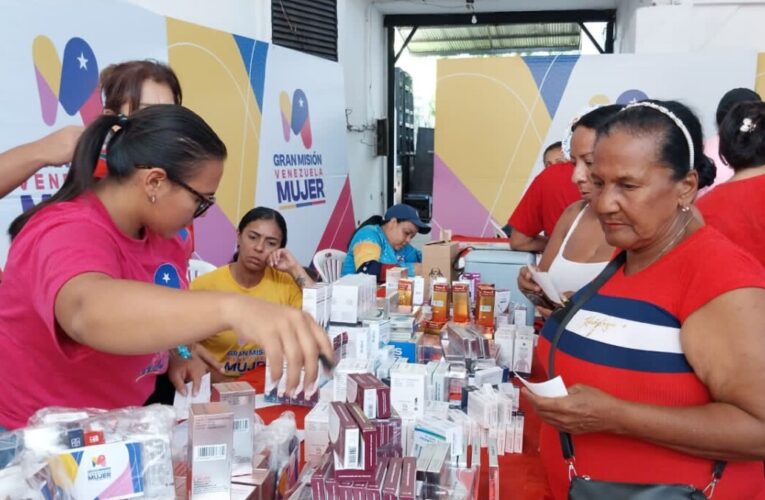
276,287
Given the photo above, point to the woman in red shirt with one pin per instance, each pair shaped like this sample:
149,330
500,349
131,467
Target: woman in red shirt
735,208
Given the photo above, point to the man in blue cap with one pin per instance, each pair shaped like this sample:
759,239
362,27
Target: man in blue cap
383,242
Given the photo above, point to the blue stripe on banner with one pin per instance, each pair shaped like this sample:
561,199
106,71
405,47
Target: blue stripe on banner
632,309
136,466
617,357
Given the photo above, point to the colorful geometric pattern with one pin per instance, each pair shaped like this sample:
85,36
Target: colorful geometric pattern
295,117
486,146
232,69
551,74
71,81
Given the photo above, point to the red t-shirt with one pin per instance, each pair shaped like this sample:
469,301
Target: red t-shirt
626,341
41,365
549,194
736,209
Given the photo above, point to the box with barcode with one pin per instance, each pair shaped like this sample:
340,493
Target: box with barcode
344,436
211,440
241,398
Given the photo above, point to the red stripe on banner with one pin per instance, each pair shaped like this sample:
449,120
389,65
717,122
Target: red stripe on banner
341,223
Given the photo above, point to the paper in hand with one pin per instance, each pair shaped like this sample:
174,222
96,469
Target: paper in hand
543,279
181,404
553,388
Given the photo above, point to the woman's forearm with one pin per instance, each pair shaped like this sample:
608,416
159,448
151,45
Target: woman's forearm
718,431
129,317
17,165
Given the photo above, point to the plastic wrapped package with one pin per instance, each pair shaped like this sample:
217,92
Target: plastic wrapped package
280,442
89,453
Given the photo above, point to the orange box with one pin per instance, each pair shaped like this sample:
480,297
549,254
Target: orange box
461,301
440,302
484,307
405,287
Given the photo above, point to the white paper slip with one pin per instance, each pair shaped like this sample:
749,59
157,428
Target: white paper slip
545,282
181,404
554,388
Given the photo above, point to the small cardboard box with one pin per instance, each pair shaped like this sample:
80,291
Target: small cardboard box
439,255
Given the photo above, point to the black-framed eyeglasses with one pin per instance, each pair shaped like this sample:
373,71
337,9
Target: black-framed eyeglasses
203,202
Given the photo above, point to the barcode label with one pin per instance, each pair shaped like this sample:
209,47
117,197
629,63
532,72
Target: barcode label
352,457
213,452
241,424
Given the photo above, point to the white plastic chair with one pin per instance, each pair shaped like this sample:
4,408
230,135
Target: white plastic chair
329,264
498,231
197,268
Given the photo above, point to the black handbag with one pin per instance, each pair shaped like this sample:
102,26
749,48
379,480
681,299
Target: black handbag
583,487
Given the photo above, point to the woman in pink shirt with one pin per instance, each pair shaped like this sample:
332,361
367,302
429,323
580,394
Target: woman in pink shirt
90,305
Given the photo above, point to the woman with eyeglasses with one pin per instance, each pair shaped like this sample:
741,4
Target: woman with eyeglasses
87,308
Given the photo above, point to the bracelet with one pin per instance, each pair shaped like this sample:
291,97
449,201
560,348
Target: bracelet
183,351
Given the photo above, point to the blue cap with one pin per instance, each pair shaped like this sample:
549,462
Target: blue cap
403,212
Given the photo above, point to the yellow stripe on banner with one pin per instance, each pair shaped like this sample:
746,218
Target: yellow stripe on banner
216,85
491,124
47,61
759,80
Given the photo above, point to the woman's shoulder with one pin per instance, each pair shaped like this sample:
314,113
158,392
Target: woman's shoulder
567,218
372,232
211,280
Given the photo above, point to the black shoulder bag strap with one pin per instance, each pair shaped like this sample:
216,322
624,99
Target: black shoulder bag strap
564,316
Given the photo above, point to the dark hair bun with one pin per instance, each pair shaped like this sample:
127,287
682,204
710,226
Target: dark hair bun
707,170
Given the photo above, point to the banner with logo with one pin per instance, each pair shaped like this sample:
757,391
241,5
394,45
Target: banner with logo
488,146
302,168
244,88
52,55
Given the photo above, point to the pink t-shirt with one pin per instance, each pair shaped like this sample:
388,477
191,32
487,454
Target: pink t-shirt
41,365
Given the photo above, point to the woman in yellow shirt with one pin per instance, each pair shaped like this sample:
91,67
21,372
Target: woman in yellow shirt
262,268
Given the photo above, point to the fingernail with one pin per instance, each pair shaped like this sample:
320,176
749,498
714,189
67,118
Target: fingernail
311,390
270,386
294,393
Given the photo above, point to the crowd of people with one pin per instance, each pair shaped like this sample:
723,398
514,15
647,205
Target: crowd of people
663,362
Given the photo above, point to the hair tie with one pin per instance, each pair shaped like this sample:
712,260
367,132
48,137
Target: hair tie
747,126
677,121
122,120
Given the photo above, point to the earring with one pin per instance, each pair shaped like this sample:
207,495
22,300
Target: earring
685,209
153,198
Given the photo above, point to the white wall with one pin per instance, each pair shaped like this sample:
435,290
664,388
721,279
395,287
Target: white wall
361,51
692,25
250,18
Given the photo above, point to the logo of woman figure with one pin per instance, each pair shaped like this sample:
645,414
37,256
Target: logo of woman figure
295,118
71,80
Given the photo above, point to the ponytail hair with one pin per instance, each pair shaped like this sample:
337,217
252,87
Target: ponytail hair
742,136
80,177
171,137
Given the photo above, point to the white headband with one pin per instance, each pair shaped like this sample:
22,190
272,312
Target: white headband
566,141
677,121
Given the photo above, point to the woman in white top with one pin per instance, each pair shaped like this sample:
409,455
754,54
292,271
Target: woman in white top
577,250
